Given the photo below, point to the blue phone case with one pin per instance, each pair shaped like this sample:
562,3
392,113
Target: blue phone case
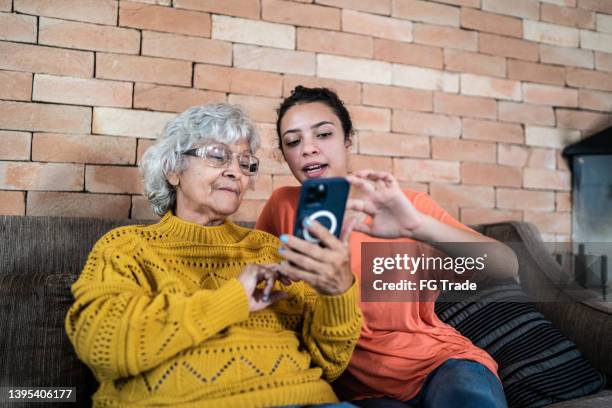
324,200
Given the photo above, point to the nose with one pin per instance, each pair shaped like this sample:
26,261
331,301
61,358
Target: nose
309,146
233,168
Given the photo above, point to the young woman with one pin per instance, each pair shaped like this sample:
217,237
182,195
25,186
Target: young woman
405,354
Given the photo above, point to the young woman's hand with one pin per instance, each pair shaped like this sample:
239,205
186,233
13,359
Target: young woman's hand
392,214
260,298
325,268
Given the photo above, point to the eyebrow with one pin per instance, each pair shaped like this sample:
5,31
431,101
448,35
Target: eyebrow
316,125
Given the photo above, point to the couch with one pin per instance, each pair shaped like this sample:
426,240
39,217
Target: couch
40,257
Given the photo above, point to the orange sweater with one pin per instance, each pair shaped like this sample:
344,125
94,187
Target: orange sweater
401,342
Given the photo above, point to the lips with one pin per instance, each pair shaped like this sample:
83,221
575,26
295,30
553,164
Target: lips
313,170
230,189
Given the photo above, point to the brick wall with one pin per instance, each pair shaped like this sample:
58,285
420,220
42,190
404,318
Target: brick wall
470,100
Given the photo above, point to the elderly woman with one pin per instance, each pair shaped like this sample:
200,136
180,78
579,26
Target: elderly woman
189,311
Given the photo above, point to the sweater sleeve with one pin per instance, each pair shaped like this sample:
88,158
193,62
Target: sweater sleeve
332,325
126,320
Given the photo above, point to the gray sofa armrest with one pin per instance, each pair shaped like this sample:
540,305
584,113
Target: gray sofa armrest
587,323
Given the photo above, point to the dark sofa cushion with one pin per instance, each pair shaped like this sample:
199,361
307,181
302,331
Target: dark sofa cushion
36,350
537,364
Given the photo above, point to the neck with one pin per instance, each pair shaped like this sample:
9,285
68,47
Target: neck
206,219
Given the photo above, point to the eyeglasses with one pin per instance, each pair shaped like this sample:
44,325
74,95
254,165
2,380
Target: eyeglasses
220,155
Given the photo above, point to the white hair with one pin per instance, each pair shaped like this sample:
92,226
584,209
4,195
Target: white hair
220,122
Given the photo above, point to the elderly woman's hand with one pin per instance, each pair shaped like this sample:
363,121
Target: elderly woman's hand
260,298
325,268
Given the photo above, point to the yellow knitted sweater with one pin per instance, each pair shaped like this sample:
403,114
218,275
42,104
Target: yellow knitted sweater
161,319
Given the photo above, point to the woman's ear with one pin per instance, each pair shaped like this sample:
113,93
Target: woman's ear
173,179
348,142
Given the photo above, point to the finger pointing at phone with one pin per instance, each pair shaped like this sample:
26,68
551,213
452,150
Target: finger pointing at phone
325,267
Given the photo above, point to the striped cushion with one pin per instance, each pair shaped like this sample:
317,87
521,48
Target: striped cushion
537,364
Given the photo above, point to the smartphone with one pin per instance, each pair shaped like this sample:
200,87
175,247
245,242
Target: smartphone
323,200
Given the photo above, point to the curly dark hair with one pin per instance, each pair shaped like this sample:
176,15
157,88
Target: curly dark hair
302,94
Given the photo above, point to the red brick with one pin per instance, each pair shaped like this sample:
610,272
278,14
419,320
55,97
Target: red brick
603,61
93,11
274,60
301,14
17,27
141,209
14,145
376,26
490,87
113,179
573,17
426,170
15,86
550,95
514,199
172,98
333,42
361,162
463,150
458,105
87,36
550,222
248,211
472,216
395,97
564,201
78,205
272,162
143,69
490,175
33,58
474,63
280,181
370,6
41,176
188,48
583,78
262,188
80,91
426,11
603,6
411,185
129,122
492,23
551,34
349,91
259,108
466,3
53,147
143,145
507,47
257,32
601,101
425,124
566,56
527,114
533,72
550,137
212,77
447,37
487,130
367,118
408,54
44,117
239,8
546,179
582,120
6,5
519,8
463,196
424,78
512,155
596,41
12,203
393,144
354,69
542,158
160,18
